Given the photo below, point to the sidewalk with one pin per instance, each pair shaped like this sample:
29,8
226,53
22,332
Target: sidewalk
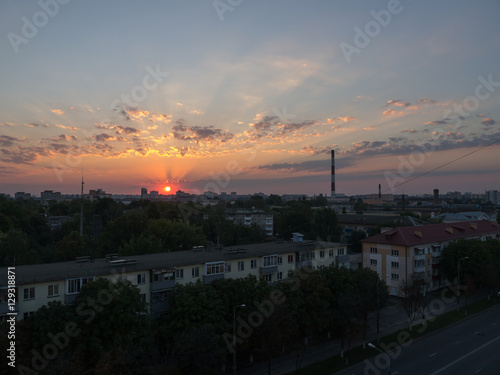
392,319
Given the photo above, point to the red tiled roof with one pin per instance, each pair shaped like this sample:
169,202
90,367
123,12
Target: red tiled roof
424,234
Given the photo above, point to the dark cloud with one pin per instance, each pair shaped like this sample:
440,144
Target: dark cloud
411,131
126,130
64,137
6,141
37,125
488,121
397,103
426,100
315,150
200,133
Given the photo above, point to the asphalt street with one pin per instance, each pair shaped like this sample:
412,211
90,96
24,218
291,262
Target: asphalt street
469,347
392,318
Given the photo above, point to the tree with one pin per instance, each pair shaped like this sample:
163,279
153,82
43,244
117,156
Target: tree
413,291
113,319
355,238
372,294
326,225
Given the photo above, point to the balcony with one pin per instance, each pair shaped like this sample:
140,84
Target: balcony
304,264
207,279
267,270
157,307
161,285
69,298
4,308
341,258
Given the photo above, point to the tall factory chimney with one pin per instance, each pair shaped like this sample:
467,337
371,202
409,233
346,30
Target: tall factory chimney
379,192
333,173
436,196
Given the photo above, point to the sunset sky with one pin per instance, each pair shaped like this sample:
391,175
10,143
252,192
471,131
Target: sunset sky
250,97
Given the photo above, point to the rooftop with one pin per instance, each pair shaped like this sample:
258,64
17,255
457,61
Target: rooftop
424,234
46,272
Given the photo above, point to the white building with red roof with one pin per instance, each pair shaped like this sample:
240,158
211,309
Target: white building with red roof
399,253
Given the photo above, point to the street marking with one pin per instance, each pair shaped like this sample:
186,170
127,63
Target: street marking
433,354
465,356
478,371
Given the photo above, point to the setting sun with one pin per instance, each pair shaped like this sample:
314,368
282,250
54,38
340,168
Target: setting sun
167,188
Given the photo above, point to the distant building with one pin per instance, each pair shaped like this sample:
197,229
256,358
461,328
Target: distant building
368,222
97,194
56,222
492,196
452,217
50,195
153,194
144,193
260,218
22,195
398,254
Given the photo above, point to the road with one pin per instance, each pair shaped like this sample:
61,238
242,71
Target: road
469,347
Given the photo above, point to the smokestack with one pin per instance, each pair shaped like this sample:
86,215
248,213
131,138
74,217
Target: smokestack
379,192
333,173
403,202
436,196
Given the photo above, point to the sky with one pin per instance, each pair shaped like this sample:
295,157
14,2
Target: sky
249,96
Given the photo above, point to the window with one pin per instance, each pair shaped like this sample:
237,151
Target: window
269,260
394,264
330,253
215,268
373,250
53,290
394,276
241,265
279,276
373,262
26,314
195,272
280,260
395,253
420,263
141,278
322,254
268,277
227,267
253,263
179,273
143,298
29,293
340,251
290,259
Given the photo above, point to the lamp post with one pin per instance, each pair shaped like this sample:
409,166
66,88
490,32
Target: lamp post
234,336
388,357
458,282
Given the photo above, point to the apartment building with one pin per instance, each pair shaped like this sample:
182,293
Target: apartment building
399,253
157,274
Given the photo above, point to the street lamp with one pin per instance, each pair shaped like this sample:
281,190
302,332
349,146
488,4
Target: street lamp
234,336
458,282
388,358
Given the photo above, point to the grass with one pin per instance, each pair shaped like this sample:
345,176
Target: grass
358,354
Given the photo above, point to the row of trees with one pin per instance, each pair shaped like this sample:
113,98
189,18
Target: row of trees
144,227
107,330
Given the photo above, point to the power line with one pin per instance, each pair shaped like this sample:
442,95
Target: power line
443,165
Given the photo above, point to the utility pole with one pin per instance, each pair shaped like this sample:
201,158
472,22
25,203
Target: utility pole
81,209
